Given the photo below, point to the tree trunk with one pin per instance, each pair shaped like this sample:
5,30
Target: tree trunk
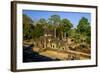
65,35
55,32
62,35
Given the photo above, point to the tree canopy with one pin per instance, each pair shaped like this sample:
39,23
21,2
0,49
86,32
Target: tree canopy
83,25
54,20
61,27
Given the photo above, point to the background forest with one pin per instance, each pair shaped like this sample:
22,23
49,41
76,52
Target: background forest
61,27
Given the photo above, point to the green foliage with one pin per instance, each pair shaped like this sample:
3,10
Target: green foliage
42,21
60,27
27,27
84,29
27,19
38,31
54,20
66,25
83,25
31,31
72,32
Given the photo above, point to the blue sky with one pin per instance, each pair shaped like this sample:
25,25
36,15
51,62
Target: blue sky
74,17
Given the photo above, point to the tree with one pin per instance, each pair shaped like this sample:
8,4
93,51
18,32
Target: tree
27,27
84,29
54,20
72,32
27,19
38,31
42,21
66,25
43,24
83,25
59,32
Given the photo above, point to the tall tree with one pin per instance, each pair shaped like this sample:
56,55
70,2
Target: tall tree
27,19
27,27
54,20
66,25
38,31
42,21
84,29
83,25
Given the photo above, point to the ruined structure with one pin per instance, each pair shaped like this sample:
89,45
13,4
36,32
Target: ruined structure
56,48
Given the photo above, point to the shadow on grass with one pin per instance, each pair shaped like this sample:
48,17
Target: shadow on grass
30,56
